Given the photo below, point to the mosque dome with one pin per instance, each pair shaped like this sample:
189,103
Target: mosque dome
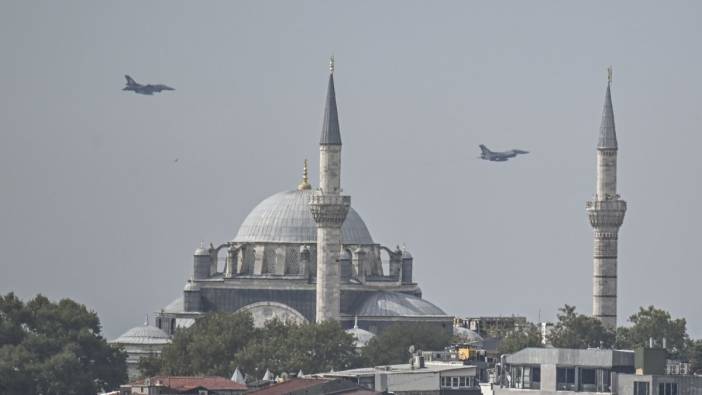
361,336
396,304
144,334
286,218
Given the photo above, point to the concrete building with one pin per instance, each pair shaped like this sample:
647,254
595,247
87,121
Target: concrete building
492,326
306,255
606,215
554,371
141,341
425,378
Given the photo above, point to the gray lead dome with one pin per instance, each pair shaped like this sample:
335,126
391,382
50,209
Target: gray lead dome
396,304
286,218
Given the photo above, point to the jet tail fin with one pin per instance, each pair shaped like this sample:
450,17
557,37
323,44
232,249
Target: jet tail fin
130,80
485,149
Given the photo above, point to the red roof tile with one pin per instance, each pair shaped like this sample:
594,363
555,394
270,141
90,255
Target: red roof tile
186,383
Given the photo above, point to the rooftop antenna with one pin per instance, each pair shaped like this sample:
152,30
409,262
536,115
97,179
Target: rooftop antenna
609,75
331,64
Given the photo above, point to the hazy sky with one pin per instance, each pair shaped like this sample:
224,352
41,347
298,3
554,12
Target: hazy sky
93,206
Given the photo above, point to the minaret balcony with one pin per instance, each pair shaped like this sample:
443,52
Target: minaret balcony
329,210
606,213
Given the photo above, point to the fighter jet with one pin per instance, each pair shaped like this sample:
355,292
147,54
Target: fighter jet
147,89
499,156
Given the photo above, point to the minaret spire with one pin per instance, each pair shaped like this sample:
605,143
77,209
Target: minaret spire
606,213
608,134
331,135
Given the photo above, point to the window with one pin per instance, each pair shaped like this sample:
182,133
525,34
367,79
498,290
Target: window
668,389
536,378
462,381
454,382
641,388
527,377
587,380
604,377
565,379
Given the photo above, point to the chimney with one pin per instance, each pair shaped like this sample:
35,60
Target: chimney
418,362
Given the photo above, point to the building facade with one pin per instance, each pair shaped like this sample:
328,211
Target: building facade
557,371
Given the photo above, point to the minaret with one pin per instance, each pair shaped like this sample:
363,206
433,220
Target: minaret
606,214
329,209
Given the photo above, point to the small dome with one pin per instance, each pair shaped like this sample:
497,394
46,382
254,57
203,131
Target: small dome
396,304
466,334
406,254
361,336
145,334
286,218
201,251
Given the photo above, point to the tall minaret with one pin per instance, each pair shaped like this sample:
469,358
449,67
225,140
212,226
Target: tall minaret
606,214
329,209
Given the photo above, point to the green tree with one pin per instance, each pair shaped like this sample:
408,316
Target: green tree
694,354
55,348
575,330
208,347
392,345
518,339
150,366
654,323
218,343
289,348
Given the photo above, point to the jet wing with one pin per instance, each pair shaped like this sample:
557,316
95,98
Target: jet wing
159,88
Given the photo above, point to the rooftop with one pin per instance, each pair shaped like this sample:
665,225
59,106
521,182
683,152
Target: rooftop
189,383
429,367
305,385
595,357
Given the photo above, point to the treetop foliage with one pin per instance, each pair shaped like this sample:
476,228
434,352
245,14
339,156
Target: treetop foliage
218,343
575,330
392,345
55,348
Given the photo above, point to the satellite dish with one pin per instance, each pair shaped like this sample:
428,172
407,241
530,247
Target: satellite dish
411,349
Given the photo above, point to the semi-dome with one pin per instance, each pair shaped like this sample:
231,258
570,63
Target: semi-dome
144,334
396,304
286,218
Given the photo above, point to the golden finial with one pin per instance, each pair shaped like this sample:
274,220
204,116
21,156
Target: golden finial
609,74
305,183
331,64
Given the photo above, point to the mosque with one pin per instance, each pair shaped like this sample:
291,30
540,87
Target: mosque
306,255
